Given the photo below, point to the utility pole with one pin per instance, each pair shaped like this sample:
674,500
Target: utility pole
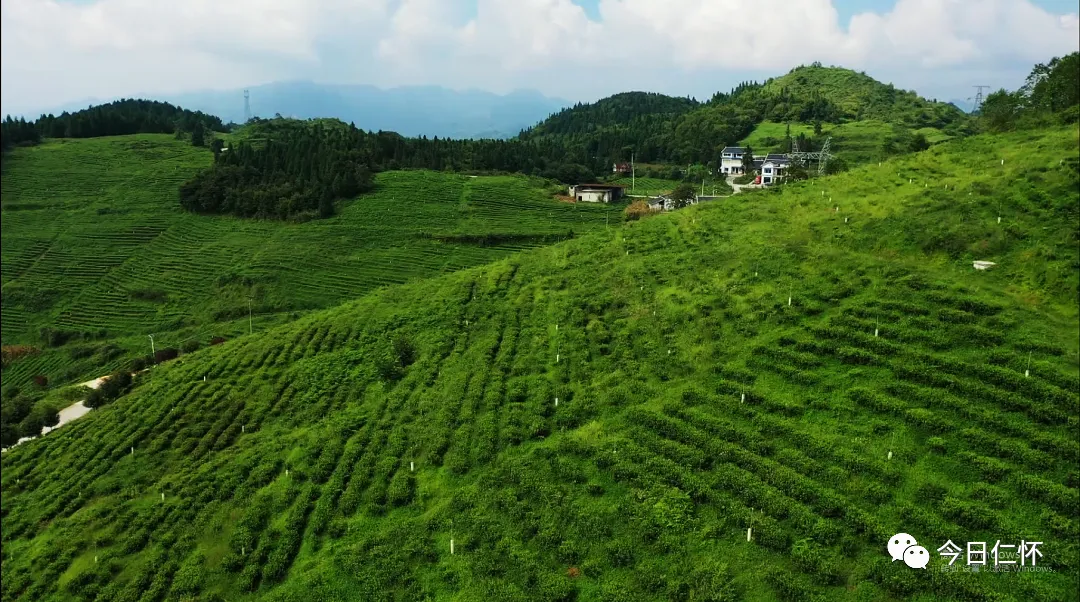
247,106
633,175
249,315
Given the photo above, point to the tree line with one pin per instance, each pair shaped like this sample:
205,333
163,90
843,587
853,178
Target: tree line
1051,93
118,118
289,169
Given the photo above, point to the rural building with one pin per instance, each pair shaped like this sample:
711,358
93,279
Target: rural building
731,159
597,193
621,168
774,168
659,203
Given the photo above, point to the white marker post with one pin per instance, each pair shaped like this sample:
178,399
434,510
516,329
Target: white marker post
890,455
742,398
875,332
412,467
556,402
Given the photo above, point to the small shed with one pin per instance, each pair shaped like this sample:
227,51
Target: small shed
597,193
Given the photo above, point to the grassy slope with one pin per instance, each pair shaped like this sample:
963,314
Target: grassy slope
648,473
860,95
856,142
89,225
655,186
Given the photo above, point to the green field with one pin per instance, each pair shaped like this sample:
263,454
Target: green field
656,186
818,363
95,244
856,142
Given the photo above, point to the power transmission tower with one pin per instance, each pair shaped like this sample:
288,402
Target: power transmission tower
247,106
978,97
804,158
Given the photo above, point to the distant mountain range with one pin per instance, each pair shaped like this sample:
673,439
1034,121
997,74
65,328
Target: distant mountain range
964,105
408,110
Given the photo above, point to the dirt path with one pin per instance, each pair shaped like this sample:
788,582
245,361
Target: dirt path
68,414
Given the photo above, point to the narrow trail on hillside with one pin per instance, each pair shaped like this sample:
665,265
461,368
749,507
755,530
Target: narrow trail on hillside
68,414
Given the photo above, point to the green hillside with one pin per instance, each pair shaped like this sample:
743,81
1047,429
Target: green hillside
859,96
856,142
97,250
605,419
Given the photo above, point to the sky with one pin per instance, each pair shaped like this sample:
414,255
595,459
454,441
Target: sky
55,52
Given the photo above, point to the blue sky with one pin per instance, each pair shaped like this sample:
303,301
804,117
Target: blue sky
53,52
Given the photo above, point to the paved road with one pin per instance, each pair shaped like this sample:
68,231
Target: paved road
737,188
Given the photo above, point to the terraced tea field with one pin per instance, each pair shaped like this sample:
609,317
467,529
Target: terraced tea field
856,142
95,244
741,400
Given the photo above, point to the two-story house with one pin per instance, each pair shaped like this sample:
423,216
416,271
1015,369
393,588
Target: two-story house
774,168
731,160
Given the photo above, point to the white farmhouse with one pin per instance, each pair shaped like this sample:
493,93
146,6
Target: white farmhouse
731,160
774,168
596,193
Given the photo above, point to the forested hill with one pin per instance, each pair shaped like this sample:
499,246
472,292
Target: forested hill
857,96
626,109
118,118
664,129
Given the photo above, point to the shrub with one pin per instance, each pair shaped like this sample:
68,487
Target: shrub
217,340
404,351
164,355
637,210
11,353
41,380
189,346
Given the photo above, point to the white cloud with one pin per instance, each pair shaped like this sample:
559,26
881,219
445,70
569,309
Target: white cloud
55,52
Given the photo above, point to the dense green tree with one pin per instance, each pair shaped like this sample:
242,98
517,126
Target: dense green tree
918,143
198,135
1053,86
1001,109
748,160
683,195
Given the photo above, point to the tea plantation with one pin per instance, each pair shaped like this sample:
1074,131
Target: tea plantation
97,251
744,399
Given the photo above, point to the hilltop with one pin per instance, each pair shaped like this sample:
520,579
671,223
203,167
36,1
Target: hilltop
861,113
857,96
739,400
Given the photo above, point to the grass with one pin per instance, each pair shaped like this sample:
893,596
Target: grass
856,142
716,369
657,186
106,253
